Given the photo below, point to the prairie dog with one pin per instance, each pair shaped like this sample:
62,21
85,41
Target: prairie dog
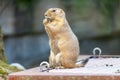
63,43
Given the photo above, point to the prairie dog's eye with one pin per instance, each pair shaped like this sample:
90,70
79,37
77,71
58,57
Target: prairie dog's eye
53,10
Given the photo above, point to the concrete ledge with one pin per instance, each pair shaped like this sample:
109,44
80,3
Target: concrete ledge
63,74
34,74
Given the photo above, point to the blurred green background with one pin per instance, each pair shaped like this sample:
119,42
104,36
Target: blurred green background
96,23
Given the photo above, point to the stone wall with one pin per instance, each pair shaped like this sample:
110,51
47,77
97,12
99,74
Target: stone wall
26,41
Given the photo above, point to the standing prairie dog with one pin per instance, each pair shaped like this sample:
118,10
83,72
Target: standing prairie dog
63,43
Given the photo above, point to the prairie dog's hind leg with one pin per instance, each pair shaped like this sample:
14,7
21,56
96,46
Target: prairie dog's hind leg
52,59
58,59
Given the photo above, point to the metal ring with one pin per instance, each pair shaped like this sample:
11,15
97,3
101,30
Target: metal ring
94,51
44,66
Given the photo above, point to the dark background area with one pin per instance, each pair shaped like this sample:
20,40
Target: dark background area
96,23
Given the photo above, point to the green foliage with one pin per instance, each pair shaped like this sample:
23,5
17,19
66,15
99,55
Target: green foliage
77,6
2,53
75,3
80,3
109,7
5,69
24,2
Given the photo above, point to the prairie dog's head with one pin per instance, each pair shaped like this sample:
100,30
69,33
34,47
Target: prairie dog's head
54,13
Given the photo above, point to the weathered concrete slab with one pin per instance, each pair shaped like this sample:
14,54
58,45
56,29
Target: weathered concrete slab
65,74
83,73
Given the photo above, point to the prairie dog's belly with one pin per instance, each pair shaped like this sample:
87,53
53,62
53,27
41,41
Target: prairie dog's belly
53,41
54,46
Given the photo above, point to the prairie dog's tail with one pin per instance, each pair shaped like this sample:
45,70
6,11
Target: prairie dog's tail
82,63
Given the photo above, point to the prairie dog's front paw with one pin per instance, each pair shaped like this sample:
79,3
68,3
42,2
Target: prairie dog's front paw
45,21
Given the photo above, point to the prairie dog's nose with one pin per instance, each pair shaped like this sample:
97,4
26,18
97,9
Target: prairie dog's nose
46,16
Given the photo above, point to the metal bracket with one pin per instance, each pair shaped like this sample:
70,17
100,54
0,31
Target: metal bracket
99,52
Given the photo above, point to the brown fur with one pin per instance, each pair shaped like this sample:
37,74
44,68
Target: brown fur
63,43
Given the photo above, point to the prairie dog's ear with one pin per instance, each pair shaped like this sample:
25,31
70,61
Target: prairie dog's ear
61,13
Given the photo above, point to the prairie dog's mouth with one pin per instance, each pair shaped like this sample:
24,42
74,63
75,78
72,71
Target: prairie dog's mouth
48,18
